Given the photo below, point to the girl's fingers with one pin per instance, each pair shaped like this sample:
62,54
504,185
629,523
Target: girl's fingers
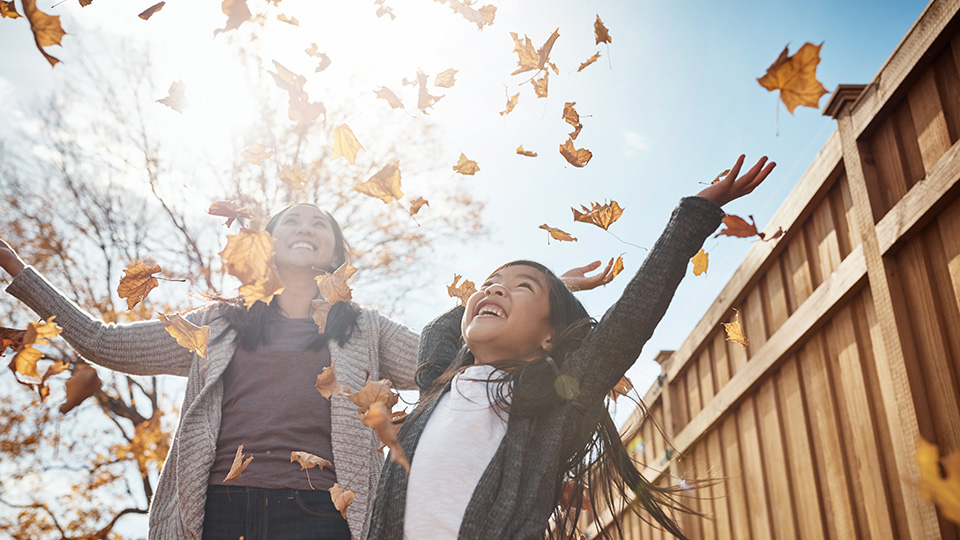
761,176
735,170
590,267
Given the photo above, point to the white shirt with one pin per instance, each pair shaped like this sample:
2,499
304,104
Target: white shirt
457,444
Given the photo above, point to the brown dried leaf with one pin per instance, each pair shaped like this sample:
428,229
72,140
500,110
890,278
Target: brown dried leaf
137,282
385,185
187,334
333,287
481,17
796,77
601,215
378,418
540,85
256,153
601,32
375,392
557,234
386,10
738,227
237,13
511,103
617,266
11,337
574,156
239,465
700,262
529,59
527,153
83,383
41,333
445,79
466,166
341,498
229,210
177,97
262,289
46,28
25,362
417,204
8,10
589,61
735,331
308,460
387,94
327,383
720,176
623,387
293,176
324,63
569,498
463,291
248,255
147,13
289,20
321,309
345,144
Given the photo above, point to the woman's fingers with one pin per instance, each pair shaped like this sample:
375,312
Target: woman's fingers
735,170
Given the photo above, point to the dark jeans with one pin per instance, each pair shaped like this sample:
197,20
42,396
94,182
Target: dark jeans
233,512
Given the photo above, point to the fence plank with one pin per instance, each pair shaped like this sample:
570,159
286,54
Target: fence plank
753,468
948,86
775,461
730,441
719,476
933,137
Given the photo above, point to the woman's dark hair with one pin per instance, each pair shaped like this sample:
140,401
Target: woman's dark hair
599,468
251,325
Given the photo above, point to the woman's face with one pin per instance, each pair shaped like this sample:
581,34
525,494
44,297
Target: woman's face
304,239
508,317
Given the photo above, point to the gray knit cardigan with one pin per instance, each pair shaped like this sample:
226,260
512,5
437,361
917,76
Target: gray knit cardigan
521,485
379,348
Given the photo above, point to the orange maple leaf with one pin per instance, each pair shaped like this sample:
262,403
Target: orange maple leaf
147,13
527,153
796,77
333,287
187,334
375,392
943,489
463,291
248,254
424,99
571,117
617,266
238,466
8,10
511,103
445,79
530,59
735,331
574,156
589,61
237,13
700,262
177,97
466,166
137,282
738,227
378,418
387,94
341,498
321,309
345,144
557,234
263,289
293,176
601,32
83,383
327,383
417,204
256,153
46,28
601,215
289,20
385,185
540,85
25,361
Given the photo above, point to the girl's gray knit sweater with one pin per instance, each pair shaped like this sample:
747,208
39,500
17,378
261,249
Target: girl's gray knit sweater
520,486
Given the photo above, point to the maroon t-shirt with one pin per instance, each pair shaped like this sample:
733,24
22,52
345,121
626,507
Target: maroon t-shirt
271,406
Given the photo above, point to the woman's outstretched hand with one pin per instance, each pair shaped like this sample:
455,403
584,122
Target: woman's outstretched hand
732,187
576,279
9,260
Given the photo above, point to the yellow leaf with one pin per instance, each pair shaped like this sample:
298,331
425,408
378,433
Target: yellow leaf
540,85
557,234
262,289
463,291
574,156
345,144
187,334
137,282
147,13
41,333
239,465
796,77
177,98
601,215
25,362
700,262
8,10
623,387
385,185
570,114
617,266
289,20
511,103
333,287
341,498
445,79
293,176
321,309
527,153
601,32
46,28
83,383
387,94
237,12
943,489
256,153
248,255
327,383
307,460
589,61
735,331
466,166
417,204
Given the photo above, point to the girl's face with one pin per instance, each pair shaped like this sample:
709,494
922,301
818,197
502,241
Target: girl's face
508,317
304,239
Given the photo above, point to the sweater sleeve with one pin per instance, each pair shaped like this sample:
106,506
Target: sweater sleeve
398,353
439,343
615,343
140,348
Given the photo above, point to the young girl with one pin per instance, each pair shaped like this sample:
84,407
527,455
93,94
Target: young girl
520,409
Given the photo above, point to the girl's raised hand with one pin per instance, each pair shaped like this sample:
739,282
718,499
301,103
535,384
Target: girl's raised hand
9,260
733,187
576,279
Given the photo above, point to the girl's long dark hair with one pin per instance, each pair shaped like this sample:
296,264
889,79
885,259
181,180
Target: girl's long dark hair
599,468
251,325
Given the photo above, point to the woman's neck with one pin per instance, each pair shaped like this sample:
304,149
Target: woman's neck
299,290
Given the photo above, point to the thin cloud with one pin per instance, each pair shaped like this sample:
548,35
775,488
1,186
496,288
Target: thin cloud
634,142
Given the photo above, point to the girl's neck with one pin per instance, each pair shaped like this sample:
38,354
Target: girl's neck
299,290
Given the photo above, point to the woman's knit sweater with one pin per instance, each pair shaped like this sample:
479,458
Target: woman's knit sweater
379,348
521,484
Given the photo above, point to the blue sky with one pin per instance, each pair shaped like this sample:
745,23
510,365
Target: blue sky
671,102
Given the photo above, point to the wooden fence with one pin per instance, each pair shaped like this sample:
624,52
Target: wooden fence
853,318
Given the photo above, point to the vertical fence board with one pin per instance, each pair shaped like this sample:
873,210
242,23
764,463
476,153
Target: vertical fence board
721,362
909,147
949,221
776,297
753,469
825,234
948,86
719,476
751,318
705,499
705,370
692,383
928,120
797,269
849,212
775,461
730,441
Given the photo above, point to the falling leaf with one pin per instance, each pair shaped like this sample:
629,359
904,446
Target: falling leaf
700,262
177,98
324,63
262,289
239,465
378,418
528,58
571,117
25,362
327,383
574,156
601,32
720,177
589,61
738,227
557,234
617,266
187,334
229,210
247,255
623,387
445,78
8,10
321,309
527,153
466,166
735,331
569,498
387,94
307,460
293,176
540,85
385,185
780,232
345,144
556,70
256,153
341,498
137,282
289,20
147,13
313,50
237,13
943,489
10,337
333,287
55,368
287,80
375,392
601,215
417,204
46,28
463,291
83,383
386,10
511,103
300,108
424,99
482,17
796,77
